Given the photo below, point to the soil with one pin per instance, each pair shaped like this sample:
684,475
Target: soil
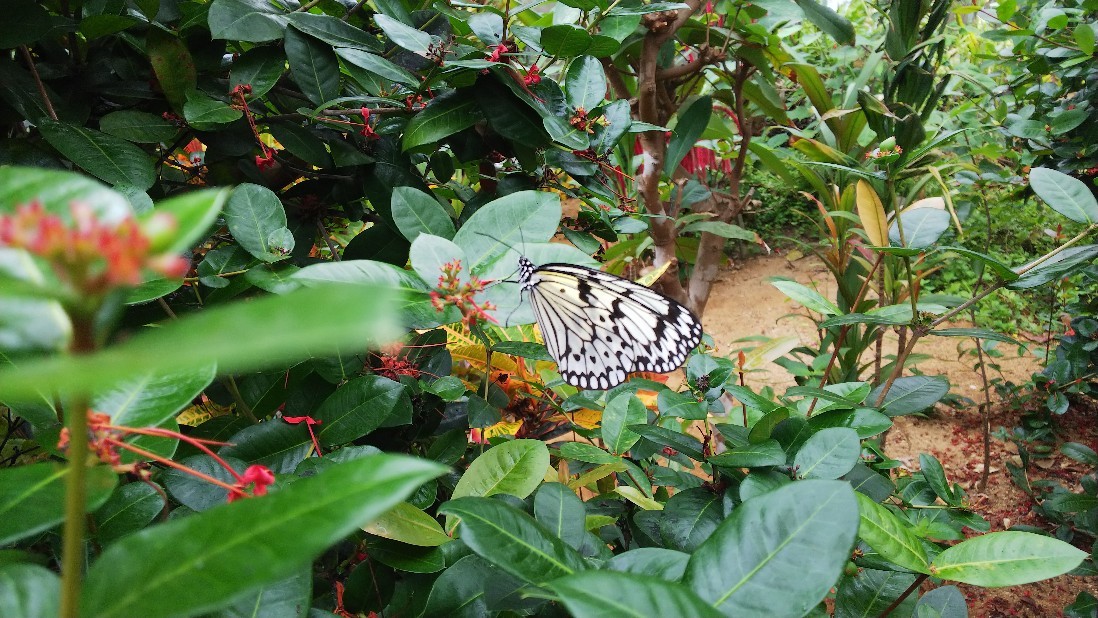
743,304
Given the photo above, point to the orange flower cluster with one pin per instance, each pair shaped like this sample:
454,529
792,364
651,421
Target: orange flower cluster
91,256
451,291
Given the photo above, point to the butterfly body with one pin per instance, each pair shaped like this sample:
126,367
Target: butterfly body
600,327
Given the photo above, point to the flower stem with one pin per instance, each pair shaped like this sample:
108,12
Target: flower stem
72,544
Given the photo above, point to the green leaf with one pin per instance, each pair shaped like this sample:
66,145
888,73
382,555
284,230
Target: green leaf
32,497
1006,559
666,564
722,229
890,536
333,31
609,593
805,295
274,443
753,564
1066,195
130,508
1068,261
150,399
869,592
1000,269
1080,452
172,64
588,453
270,538
922,227
29,591
768,453
826,19
260,68
253,21
515,468
407,524
560,510
442,117
622,411
565,40
828,454
942,602
460,590
1084,36
680,405
866,422
57,190
417,213
208,114
524,349
313,66
430,254
109,158
377,65
288,597
911,394
684,443
691,123
302,143
140,127
651,7
402,35
522,217
585,83
689,517
353,315
512,540
253,214
358,408
978,333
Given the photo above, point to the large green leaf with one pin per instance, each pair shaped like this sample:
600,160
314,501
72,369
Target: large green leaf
377,65
257,220
890,536
236,337
691,123
287,598
491,234
130,508
358,408
1064,263
585,83
826,19
621,412
828,454
922,227
140,127
515,468
1006,559
666,564
753,565
610,593
260,68
274,443
333,31
109,158
911,394
768,453
442,117
154,572
1066,195
246,20
29,591
313,66
512,540
417,213
172,64
56,190
868,592
403,35
407,524
559,509
32,498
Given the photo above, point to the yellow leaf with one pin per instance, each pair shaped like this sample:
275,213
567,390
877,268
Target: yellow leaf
872,213
596,474
588,419
635,496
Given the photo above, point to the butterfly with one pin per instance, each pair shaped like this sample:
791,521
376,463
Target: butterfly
600,327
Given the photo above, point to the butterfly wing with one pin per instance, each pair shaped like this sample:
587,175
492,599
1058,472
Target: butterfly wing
600,327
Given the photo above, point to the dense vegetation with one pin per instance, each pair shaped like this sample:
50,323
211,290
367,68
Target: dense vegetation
334,402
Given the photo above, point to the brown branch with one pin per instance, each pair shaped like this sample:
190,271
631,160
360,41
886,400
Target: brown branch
38,82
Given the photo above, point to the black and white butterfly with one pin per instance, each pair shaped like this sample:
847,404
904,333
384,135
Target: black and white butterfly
600,327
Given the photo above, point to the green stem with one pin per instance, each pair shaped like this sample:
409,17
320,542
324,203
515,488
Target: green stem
72,544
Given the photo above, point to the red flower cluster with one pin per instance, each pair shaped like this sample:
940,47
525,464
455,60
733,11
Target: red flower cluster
260,477
367,129
451,291
89,255
533,76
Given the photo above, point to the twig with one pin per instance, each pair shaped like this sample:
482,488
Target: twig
38,82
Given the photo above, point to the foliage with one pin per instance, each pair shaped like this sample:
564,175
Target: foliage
339,405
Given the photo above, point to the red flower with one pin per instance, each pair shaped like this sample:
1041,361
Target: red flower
533,77
259,476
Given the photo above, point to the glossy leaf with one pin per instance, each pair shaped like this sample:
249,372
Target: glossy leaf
585,83
260,68
111,159
289,597
753,565
890,536
140,127
621,412
922,227
942,602
246,20
29,591
253,213
768,453
911,394
870,591
313,66
353,315
32,497
689,127
560,510
512,540
872,214
1064,263
666,564
610,593
358,408
515,468
270,538
806,296
1066,195
828,454
407,524
1006,559
130,508
417,213
442,117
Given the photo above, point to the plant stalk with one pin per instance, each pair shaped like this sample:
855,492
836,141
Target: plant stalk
72,539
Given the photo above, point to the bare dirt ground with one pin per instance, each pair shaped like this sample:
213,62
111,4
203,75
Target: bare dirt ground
744,304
